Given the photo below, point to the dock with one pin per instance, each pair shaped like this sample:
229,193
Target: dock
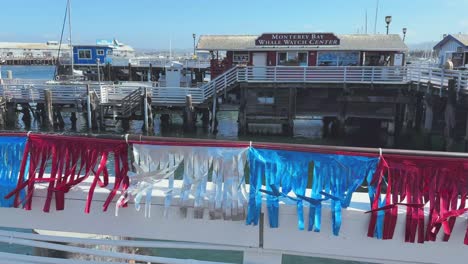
398,96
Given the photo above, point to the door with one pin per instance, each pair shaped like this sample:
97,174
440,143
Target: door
259,61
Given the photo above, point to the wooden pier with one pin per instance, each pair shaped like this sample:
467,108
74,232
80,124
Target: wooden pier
30,61
397,98
138,69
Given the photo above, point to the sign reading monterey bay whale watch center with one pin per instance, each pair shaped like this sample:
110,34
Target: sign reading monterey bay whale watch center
297,39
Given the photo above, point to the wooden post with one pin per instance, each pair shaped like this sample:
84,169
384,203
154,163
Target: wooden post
88,106
130,72
49,120
145,110
428,115
449,115
243,129
73,120
291,112
94,110
26,116
102,124
189,122
2,112
214,120
150,73
205,118
59,119
150,114
108,72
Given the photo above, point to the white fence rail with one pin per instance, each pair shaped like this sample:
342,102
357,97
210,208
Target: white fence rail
33,90
322,74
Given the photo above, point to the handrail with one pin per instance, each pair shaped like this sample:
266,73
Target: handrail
131,102
18,89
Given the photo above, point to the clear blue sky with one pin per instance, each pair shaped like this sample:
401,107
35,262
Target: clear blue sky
151,23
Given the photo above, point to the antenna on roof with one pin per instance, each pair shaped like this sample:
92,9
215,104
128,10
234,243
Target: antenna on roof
365,27
376,13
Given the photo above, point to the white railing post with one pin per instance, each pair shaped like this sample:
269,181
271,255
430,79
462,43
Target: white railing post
274,73
419,77
459,82
442,78
372,74
304,74
225,86
430,74
345,73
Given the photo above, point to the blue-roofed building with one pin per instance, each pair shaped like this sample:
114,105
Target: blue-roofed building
88,54
455,48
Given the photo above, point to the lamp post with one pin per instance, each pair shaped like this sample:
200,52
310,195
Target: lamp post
404,34
388,19
194,36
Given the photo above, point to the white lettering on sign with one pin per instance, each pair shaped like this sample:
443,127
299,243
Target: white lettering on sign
304,39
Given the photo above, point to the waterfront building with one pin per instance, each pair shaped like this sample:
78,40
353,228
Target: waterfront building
304,49
453,47
19,52
88,54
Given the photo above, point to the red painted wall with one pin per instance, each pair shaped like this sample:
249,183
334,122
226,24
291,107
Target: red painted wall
312,58
271,58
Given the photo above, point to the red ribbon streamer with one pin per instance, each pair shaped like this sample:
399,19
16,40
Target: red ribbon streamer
414,182
71,160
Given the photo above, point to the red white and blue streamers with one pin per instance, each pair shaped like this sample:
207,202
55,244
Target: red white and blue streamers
11,153
211,177
332,177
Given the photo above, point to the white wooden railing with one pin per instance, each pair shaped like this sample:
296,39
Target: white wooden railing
321,74
33,90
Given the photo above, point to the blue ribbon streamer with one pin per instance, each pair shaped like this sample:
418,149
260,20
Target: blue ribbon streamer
11,153
335,178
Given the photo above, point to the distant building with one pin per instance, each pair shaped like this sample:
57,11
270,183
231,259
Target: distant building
455,48
49,50
17,50
89,54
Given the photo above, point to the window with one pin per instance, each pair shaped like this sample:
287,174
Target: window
84,54
100,52
240,58
292,58
109,52
334,58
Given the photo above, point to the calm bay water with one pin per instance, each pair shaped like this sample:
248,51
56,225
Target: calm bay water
305,131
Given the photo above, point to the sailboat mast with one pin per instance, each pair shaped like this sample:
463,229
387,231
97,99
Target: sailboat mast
70,37
376,14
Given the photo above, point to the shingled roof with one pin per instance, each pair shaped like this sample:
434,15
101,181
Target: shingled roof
460,38
391,42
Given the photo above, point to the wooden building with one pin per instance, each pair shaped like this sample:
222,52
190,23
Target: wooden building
455,48
304,49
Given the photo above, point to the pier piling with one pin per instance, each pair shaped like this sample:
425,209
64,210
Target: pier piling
428,115
73,120
189,119
449,116
2,112
49,118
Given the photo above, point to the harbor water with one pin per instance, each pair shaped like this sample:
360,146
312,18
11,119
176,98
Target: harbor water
306,131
